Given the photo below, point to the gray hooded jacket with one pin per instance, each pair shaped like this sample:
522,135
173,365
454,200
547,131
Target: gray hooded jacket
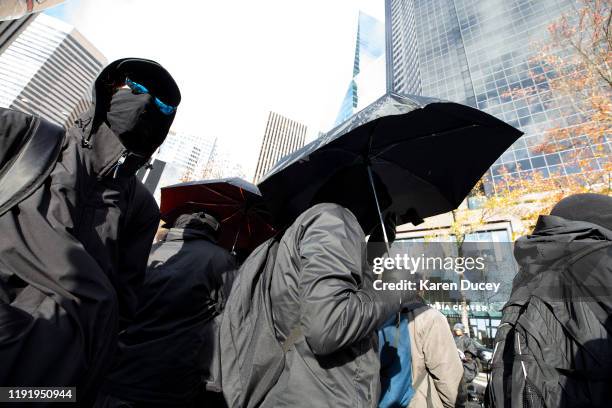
321,284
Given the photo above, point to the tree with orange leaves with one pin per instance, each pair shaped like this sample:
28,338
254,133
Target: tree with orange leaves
573,74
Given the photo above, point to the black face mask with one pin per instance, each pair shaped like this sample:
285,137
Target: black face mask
137,122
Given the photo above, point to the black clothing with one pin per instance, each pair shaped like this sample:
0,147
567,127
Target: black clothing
468,348
137,121
593,208
466,345
29,148
554,343
165,352
72,255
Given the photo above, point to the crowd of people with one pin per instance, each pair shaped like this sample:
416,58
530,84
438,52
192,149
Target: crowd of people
88,300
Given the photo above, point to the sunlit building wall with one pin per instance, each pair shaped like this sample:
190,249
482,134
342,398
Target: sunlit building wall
48,69
281,137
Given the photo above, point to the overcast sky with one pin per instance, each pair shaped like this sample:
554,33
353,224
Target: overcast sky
236,60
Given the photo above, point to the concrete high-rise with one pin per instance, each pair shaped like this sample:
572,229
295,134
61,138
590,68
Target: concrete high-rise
182,157
477,52
282,136
10,29
47,68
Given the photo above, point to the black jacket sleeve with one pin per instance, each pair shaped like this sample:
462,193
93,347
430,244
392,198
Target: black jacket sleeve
338,309
140,226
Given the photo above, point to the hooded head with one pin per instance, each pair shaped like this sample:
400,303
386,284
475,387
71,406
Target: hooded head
346,188
592,208
198,221
136,115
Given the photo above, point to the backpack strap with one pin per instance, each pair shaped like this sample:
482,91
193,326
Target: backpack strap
33,164
296,332
273,373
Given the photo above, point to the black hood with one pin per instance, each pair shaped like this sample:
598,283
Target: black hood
134,120
146,72
553,239
543,255
589,207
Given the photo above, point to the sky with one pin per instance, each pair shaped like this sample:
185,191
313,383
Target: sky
235,60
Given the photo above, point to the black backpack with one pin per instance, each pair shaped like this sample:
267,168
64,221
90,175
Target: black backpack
252,358
29,166
534,349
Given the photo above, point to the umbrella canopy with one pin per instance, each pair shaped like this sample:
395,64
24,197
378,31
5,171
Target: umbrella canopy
234,202
427,153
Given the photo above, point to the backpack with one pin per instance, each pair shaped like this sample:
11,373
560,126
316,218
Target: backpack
533,346
252,358
30,166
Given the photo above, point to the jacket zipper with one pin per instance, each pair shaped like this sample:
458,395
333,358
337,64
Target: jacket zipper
120,163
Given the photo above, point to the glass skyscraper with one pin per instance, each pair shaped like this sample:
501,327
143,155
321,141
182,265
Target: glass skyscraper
475,52
368,79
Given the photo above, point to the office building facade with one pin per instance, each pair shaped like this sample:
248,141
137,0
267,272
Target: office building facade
478,53
281,137
493,242
48,68
182,157
10,29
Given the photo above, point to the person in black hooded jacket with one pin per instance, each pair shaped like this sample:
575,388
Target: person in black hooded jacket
556,347
76,237
166,353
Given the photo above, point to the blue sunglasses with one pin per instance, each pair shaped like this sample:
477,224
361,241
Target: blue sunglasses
141,89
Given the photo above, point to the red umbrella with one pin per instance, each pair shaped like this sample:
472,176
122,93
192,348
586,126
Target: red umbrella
234,202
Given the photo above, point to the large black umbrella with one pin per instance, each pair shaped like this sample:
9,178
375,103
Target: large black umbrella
428,154
234,202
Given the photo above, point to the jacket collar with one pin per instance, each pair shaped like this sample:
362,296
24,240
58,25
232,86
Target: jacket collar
103,150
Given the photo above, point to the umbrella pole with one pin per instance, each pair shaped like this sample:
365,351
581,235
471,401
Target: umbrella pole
235,241
382,223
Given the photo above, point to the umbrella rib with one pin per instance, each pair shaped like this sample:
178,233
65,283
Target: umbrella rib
387,148
230,216
371,137
233,205
218,193
416,176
